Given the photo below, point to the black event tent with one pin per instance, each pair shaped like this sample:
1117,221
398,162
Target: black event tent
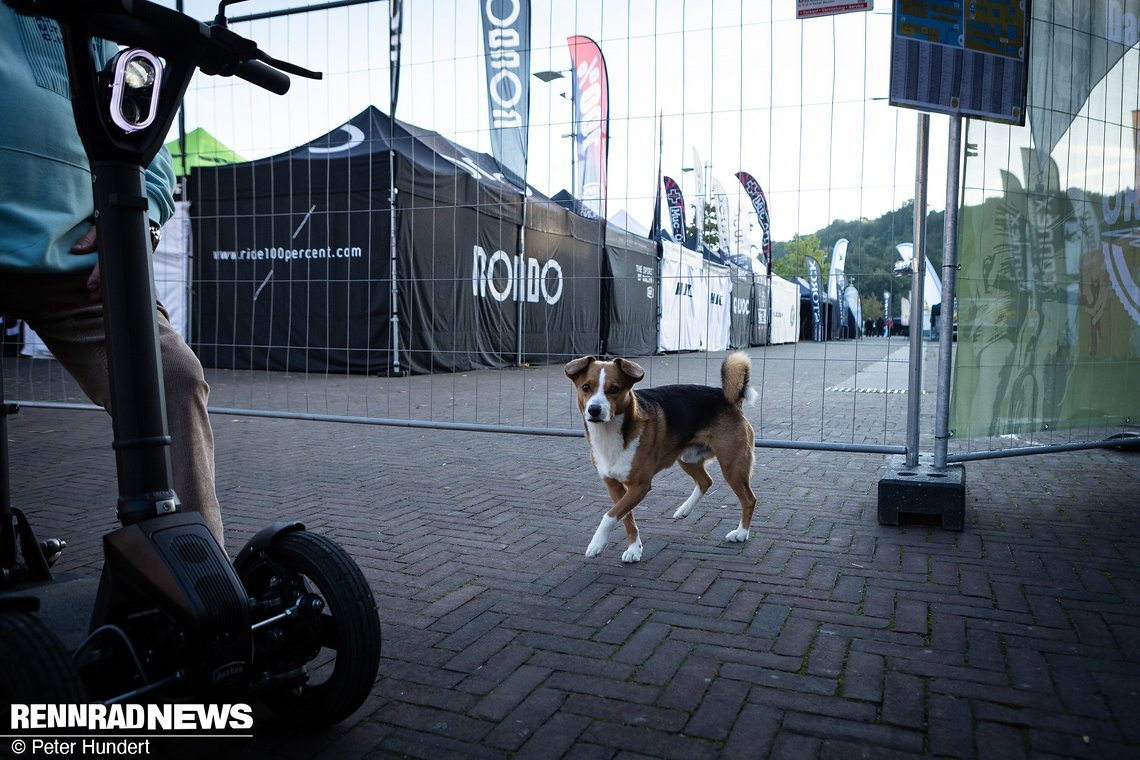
294,267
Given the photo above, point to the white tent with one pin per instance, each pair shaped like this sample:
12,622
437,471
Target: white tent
696,298
629,224
785,324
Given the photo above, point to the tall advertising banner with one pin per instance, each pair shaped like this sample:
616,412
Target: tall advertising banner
836,276
506,42
591,93
720,198
837,283
676,201
815,285
760,204
855,306
395,27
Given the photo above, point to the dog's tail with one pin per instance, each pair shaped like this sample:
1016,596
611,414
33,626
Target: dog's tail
734,376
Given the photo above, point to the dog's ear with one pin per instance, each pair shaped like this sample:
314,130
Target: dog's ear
576,367
632,370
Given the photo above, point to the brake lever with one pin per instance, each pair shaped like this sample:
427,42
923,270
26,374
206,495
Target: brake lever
242,50
288,68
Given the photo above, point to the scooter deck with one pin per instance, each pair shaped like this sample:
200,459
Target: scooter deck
66,603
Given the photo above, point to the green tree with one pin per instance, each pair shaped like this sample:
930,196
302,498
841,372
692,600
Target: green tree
871,253
792,254
710,230
872,306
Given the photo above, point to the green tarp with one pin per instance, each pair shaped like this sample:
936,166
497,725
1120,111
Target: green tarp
202,149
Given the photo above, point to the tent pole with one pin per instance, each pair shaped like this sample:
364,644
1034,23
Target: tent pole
394,293
521,286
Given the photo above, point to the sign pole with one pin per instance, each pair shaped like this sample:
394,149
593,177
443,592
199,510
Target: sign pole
918,277
949,278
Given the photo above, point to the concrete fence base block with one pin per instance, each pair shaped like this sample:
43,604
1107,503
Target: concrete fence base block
922,490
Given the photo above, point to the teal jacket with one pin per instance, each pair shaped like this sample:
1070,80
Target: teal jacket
45,180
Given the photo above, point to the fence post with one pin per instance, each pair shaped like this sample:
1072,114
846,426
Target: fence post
906,486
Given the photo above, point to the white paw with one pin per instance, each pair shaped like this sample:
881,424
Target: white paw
687,507
633,553
595,548
740,535
601,536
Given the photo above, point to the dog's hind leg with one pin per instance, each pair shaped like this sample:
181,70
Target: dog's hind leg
698,473
737,469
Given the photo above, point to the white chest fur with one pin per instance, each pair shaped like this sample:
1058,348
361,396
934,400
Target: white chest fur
611,456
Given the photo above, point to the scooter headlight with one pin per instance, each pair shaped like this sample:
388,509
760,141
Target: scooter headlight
139,73
136,79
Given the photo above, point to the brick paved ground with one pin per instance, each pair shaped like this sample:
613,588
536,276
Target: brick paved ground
825,635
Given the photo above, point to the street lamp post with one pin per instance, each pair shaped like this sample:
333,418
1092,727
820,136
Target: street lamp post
548,77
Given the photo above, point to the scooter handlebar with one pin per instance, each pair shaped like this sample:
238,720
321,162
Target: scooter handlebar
166,32
264,76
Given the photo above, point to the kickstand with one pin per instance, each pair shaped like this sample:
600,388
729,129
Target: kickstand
37,557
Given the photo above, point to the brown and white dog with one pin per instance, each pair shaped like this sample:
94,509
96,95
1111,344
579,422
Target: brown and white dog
634,434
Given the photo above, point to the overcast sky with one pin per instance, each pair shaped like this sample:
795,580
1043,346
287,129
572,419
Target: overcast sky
799,104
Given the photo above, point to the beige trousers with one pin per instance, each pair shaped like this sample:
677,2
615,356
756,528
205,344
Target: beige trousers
60,310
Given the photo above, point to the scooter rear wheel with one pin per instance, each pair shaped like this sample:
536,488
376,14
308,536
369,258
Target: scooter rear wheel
35,667
339,649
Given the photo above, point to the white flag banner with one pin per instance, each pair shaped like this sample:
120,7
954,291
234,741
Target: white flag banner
836,277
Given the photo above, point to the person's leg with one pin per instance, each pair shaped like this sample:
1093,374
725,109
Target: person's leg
61,312
192,438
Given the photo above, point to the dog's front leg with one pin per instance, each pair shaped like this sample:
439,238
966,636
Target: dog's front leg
625,498
632,552
601,535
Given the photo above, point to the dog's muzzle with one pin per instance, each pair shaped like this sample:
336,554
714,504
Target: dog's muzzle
596,413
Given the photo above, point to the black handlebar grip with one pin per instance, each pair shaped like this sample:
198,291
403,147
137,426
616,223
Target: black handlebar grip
266,77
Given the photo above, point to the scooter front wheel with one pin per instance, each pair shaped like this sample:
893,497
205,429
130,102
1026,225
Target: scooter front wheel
333,653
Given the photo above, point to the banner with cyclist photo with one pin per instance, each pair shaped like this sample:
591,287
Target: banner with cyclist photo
1048,308
1048,312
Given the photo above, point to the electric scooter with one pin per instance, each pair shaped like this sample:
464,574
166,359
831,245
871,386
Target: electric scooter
292,622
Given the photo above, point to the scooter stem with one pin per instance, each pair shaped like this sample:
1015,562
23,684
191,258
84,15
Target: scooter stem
138,398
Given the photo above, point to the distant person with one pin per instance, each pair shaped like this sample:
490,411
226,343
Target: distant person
49,271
